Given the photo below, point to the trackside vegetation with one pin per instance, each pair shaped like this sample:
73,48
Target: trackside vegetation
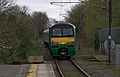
20,31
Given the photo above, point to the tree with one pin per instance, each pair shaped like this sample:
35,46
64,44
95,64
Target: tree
76,17
89,16
95,17
17,31
5,6
8,39
41,20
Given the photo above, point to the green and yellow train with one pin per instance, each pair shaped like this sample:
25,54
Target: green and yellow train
61,40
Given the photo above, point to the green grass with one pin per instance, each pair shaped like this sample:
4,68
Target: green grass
87,53
31,52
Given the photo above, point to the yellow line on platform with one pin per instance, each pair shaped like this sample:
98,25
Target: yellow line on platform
32,70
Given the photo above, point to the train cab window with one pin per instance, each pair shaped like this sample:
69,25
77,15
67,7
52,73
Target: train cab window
57,32
67,32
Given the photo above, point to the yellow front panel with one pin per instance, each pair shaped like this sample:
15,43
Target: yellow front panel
63,40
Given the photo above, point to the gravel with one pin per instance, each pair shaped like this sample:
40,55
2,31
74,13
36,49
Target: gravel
95,69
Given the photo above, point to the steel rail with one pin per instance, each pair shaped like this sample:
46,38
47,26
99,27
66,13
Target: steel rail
80,68
61,73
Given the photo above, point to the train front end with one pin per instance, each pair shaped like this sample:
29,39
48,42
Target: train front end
62,40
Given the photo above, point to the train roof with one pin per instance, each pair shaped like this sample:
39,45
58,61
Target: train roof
63,23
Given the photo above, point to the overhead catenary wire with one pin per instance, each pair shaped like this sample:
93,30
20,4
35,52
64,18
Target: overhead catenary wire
62,3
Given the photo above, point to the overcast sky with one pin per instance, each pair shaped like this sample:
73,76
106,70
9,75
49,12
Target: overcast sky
52,11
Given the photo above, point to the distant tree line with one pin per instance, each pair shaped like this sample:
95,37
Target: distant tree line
18,30
92,15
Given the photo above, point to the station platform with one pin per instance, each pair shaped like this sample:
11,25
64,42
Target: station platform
41,70
34,68
13,70
45,70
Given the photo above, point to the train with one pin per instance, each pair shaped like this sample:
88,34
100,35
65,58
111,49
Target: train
60,38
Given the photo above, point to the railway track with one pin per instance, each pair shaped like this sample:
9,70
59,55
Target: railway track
69,68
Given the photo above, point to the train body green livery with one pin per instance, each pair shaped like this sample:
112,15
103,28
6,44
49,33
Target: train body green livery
62,39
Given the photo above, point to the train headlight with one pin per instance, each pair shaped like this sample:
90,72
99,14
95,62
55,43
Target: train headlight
70,42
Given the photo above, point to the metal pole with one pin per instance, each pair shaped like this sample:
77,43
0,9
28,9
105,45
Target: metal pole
110,23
